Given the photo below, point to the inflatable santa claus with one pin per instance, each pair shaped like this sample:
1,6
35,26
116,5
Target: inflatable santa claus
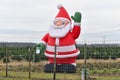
62,35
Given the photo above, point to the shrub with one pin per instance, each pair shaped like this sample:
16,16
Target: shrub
6,60
16,57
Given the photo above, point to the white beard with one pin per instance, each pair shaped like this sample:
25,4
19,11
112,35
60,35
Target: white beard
59,32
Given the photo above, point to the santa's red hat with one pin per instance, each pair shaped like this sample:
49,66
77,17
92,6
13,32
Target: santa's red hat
62,14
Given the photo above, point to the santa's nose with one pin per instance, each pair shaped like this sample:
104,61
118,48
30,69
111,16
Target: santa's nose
58,24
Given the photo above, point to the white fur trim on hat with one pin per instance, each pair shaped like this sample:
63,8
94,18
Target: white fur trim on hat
59,6
62,18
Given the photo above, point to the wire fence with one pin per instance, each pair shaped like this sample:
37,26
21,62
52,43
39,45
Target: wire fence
97,61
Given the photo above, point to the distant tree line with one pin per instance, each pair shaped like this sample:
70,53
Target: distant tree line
21,53
29,53
100,52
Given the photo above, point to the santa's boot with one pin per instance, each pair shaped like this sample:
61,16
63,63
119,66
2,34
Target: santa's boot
68,68
49,68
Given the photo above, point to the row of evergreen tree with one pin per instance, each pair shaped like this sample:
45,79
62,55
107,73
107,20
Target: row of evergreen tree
28,53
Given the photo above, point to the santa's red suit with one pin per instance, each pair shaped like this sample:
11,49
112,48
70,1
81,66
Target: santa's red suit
66,51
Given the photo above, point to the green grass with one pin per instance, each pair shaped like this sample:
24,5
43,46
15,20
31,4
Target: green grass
13,79
40,75
108,78
49,76
105,71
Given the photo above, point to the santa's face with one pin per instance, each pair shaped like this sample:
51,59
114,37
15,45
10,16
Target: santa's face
59,23
59,28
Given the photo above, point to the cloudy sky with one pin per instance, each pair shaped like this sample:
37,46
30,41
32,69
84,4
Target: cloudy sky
29,20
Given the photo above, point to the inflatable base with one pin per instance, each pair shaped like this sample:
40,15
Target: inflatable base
60,68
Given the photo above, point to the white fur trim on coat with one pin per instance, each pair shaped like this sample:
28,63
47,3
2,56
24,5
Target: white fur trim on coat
43,42
73,64
77,24
61,48
63,56
57,41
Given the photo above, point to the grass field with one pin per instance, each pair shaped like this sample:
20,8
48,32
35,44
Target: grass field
42,75
19,71
49,76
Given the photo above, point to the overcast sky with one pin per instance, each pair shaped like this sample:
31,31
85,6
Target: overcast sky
29,20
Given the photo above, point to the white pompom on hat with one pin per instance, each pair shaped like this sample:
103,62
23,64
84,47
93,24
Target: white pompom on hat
59,6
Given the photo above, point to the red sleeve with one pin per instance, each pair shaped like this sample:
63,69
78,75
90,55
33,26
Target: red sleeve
76,31
45,38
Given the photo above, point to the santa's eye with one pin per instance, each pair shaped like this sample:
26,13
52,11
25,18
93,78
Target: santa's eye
63,23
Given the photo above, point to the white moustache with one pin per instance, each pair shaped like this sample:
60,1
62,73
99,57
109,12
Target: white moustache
58,27
59,31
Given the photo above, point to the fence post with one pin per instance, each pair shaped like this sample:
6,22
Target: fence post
29,54
85,51
54,76
6,59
